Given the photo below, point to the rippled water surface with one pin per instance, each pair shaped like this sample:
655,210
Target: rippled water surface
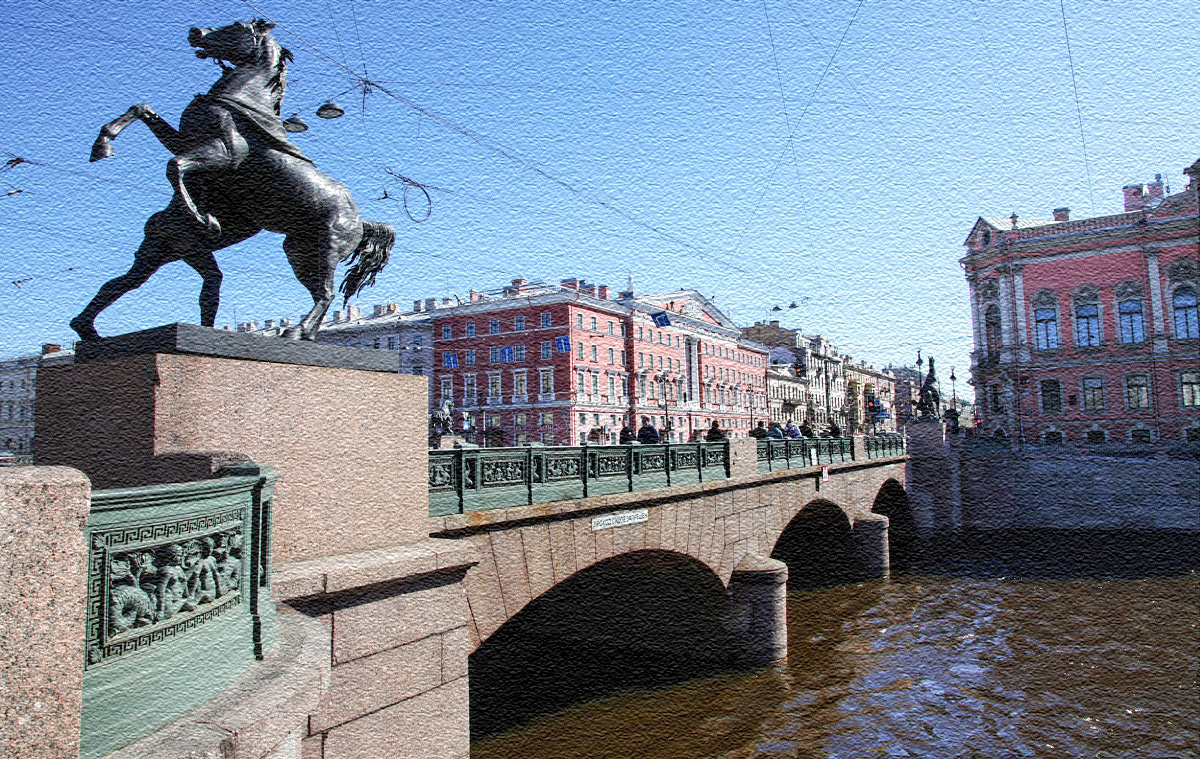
927,666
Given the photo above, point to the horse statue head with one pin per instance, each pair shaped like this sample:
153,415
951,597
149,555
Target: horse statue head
250,48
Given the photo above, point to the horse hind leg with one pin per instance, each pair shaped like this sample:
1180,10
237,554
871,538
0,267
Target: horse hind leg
150,255
314,265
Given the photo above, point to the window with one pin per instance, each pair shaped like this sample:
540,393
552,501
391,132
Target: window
391,343
1095,436
447,387
450,360
1087,325
519,420
1046,320
494,420
579,385
612,389
519,383
595,384
1051,397
1137,391
997,406
519,323
622,358
593,324
520,438
546,319
579,353
583,418
418,370
493,326
469,329
579,320
519,353
1132,329
612,356
469,358
1053,437
547,350
595,353
610,329
642,386
417,342
547,383
494,354
546,419
641,360
991,322
1093,394
469,389
494,390
640,334
1140,436
445,331
1189,386
1187,324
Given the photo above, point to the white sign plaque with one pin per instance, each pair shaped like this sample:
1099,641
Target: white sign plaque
609,521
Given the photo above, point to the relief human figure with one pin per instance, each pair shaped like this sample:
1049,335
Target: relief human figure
172,588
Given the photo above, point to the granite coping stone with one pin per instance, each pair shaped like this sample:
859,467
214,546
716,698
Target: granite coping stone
265,706
334,574
485,518
192,339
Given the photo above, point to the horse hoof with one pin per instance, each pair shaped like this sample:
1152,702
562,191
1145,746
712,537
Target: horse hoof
84,329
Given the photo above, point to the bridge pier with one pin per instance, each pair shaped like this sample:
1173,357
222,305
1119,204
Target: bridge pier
758,590
870,536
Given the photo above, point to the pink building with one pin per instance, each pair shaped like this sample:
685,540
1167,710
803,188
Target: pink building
570,363
1086,330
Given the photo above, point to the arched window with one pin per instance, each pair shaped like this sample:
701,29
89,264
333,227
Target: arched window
1132,326
991,324
1046,322
1187,323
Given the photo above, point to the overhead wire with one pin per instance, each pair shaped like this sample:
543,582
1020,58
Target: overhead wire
111,36
1075,87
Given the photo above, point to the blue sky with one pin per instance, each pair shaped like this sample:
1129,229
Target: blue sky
668,121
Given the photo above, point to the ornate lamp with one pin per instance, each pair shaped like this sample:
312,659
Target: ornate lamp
330,110
294,124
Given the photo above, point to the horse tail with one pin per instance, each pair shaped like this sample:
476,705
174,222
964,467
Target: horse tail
368,258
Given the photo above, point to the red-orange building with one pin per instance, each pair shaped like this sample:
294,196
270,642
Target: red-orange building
572,363
1086,330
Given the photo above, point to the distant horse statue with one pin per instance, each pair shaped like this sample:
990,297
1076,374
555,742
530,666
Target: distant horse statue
235,174
441,421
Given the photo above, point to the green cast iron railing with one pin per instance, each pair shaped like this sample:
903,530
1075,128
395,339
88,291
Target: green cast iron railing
885,446
774,455
178,599
473,479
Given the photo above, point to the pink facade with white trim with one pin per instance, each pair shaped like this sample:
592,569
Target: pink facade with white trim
1086,331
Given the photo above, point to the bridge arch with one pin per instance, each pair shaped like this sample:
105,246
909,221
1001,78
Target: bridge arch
818,546
892,502
636,620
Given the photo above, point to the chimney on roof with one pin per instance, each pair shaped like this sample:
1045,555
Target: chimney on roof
269,324
446,302
430,304
393,308
1154,191
339,316
519,282
1062,214
473,295
285,321
48,348
417,306
588,290
1134,200
602,292
774,323
571,284
380,310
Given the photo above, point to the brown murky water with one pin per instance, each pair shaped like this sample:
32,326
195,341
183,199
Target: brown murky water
925,666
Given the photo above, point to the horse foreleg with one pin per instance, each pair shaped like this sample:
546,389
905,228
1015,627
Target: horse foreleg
166,134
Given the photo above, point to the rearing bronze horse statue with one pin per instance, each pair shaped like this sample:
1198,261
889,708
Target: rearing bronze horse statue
235,174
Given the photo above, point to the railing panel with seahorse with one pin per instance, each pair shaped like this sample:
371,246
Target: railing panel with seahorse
474,479
178,599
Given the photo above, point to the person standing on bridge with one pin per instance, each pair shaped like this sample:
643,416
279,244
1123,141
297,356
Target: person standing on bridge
774,432
627,435
835,430
715,434
806,429
647,435
758,432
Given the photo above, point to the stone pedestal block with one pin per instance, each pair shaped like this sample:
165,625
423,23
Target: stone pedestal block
758,589
743,457
42,588
350,443
870,536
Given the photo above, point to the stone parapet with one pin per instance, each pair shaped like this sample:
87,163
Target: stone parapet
43,568
264,715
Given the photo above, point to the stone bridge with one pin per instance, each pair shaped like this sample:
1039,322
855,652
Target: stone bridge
397,633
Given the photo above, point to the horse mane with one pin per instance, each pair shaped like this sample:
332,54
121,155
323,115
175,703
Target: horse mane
278,82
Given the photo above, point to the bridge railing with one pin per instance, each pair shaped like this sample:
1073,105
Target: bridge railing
474,479
775,455
178,599
884,446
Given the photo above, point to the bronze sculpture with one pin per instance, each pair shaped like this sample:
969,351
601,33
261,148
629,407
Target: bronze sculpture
235,174
930,400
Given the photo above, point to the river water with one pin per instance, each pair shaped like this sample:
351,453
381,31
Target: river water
970,658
